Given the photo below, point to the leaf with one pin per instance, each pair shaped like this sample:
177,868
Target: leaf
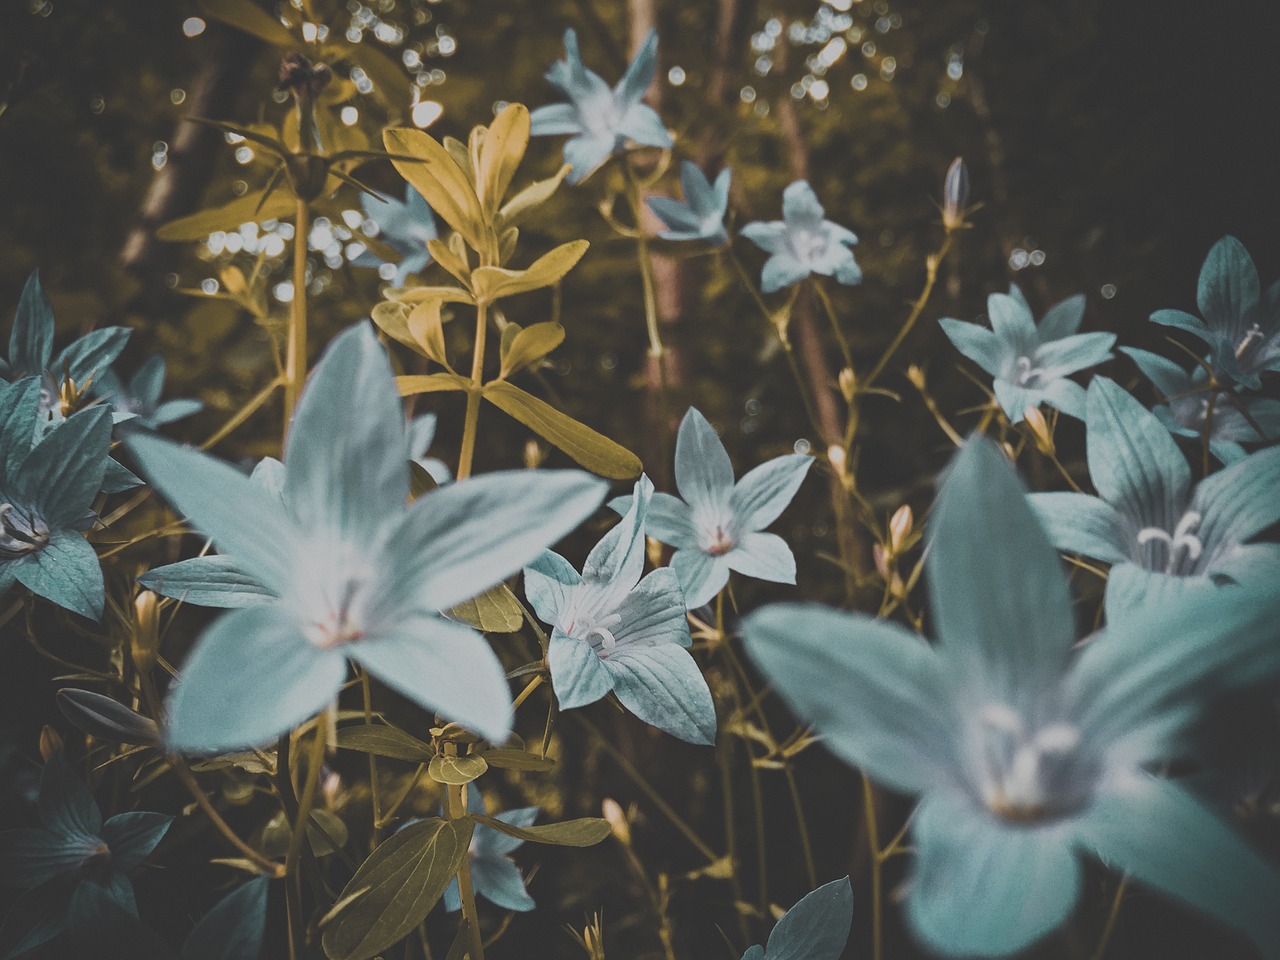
234,928
492,283
430,383
247,209
452,260
505,758
530,198
403,878
530,345
586,832
252,19
440,180
427,330
456,770
384,741
102,717
592,450
416,295
500,153
325,831
494,611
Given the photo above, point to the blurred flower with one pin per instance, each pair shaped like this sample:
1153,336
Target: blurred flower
614,632
405,228
600,120
1027,750
358,575
717,527
701,216
1162,536
803,242
141,397
494,875
1031,362
816,928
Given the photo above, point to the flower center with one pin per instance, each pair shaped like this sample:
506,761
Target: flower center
595,631
719,543
335,596
1026,374
1251,336
20,533
807,245
1182,548
1022,768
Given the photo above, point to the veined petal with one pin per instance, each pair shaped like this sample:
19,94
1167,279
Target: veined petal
979,344
1229,287
617,561
1012,322
1181,320
676,215
764,492
132,836
64,472
252,676
641,124
800,207
1014,400
766,236
1067,396
639,76
65,570
654,612
1168,377
1252,565
764,556
31,856
212,581
782,270
663,686
498,880
584,153
1078,352
65,803
577,675
19,412
1079,523
1062,319
548,583
669,521
701,575
704,474
555,119
1132,587
84,358
817,927
876,692
1240,501
31,339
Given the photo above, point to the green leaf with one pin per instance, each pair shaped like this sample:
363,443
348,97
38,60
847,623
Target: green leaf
325,831
586,832
403,878
456,770
440,180
528,346
494,611
430,383
252,19
247,209
102,717
384,741
592,450
505,758
530,198
492,283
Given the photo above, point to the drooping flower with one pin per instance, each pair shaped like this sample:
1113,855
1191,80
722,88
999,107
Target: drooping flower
140,398
1241,325
71,847
1031,362
1026,750
46,491
718,526
405,227
615,632
816,928
1162,535
701,215
494,875
1237,418
803,242
599,120
357,574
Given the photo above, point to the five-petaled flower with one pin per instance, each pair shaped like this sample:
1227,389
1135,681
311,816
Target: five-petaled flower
803,242
701,215
1031,362
405,228
139,399
600,120
1025,749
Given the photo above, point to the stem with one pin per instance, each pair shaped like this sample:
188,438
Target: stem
873,837
731,836
295,362
456,807
533,685
930,278
1208,429
472,421
1112,917
374,799
244,413
830,310
646,267
315,761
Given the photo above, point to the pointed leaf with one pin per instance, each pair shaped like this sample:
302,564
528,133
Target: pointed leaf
430,383
251,208
585,832
440,180
234,928
530,198
500,154
384,740
491,283
494,611
107,719
529,346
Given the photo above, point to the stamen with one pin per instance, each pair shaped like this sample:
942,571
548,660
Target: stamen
1013,782
1182,540
19,534
1253,334
599,628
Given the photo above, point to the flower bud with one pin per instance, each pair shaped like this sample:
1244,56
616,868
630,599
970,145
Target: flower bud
653,550
900,525
955,194
848,382
50,742
880,557
613,813
144,644
915,373
534,454
1040,431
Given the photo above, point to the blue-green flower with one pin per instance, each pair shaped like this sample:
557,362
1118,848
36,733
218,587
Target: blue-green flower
140,397
405,228
599,120
1237,418
718,526
31,349
701,215
1031,362
1162,535
494,875
46,490
816,928
357,574
71,847
803,242
615,632
1026,749
1241,325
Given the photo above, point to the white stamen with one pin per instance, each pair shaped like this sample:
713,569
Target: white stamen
1182,540
1253,334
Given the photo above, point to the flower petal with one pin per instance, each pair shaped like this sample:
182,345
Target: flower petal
782,270
764,556
764,492
1240,501
676,215
817,927
1067,396
64,472
577,675
766,236
701,575
548,582
617,561
1062,319
1012,322
498,880
31,339
555,119
1229,287
584,153
1168,377
1059,358
1181,320
979,344
800,207
132,836
654,612
66,570
663,686
704,474
639,76
641,124
66,805
492,843
31,856
1079,523
212,581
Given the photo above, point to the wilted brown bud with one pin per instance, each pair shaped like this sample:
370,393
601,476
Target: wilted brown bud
50,742
299,76
900,525
613,812
955,194
145,642
848,382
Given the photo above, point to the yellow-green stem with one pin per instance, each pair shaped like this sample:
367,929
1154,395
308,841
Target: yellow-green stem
295,360
524,694
310,787
1208,430
472,421
873,838
646,268
930,278
1105,940
374,798
830,310
456,797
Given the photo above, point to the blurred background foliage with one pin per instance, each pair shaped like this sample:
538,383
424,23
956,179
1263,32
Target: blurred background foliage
1110,144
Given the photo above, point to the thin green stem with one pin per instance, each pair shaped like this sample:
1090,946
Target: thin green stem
456,808
873,838
932,263
646,267
524,694
244,413
472,420
830,310
295,361
374,798
310,787
1114,915
1207,433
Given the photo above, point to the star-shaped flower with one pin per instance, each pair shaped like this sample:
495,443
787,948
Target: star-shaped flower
701,215
46,490
1161,535
1026,749
803,242
615,632
1241,325
494,875
717,527
600,120
816,928
1031,362
71,847
405,228
358,575
140,398
1237,418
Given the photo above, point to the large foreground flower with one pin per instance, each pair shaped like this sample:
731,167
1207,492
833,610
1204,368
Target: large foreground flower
1026,751
358,575
804,241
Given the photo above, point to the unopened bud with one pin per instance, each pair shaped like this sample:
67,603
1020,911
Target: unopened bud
955,194
1040,431
915,373
534,454
613,812
299,76
880,557
653,550
848,382
144,645
1009,452
838,459
50,742
900,525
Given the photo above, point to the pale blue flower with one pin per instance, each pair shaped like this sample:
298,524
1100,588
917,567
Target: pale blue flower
1162,536
494,875
816,928
1241,324
1031,362
803,242
405,227
599,120
701,215
1238,418
718,526
140,398
615,632
1027,749
358,575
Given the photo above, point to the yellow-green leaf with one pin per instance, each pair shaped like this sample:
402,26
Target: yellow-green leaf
586,832
437,176
392,317
402,881
252,19
491,283
456,770
430,383
281,204
427,330
501,151
592,450
461,156
507,759
384,741
530,198
325,831
416,295
494,611
529,346
447,258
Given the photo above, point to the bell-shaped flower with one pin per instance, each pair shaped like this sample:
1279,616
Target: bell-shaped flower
803,242
816,928
1162,535
71,847
404,228
614,632
1241,324
46,491
353,573
1030,362
701,215
494,875
140,397
1236,418
718,525
1027,750
600,121
31,350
